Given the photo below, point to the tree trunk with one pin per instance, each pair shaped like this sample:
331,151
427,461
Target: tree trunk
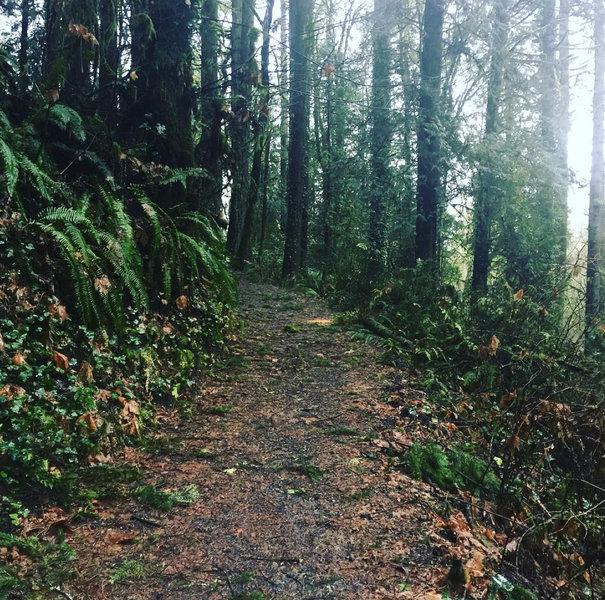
596,215
163,99
109,58
380,140
487,193
260,139
554,193
429,184
24,45
209,149
242,54
301,13
283,124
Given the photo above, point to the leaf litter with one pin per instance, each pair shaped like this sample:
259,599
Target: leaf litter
283,510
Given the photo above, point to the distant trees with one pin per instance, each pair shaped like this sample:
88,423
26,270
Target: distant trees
596,216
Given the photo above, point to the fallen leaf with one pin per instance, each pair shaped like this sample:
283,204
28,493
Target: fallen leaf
518,296
2,344
116,537
87,421
182,302
18,359
133,76
85,374
61,361
493,346
58,311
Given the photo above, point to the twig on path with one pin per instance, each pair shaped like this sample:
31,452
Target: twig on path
145,520
284,559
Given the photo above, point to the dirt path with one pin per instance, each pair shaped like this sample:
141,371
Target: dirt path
296,498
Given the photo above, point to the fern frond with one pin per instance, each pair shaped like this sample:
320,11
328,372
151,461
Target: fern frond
68,120
11,169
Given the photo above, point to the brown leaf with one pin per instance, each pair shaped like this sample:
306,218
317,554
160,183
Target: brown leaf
18,359
493,346
102,285
483,351
507,400
518,296
329,71
542,312
9,391
2,344
87,421
133,76
524,353
61,361
51,96
115,537
85,373
182,302
58,311
513,443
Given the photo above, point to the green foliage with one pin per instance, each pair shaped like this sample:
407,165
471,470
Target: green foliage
450,469
49,567
129,570
68,120
155,498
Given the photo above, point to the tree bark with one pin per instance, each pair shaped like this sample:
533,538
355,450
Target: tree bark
24,45
596,214
429,183
209,149
380,140
260,140
301,13
242,57
109,59
487,194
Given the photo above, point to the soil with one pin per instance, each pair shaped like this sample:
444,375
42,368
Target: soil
289,446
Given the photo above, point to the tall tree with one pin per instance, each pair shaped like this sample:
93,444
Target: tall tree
301,15
380,138
596,214
554,193
261,139
487,193
209,149
24,44
109,58
429,184
243,39
163,103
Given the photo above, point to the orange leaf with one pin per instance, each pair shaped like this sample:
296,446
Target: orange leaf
329,71
87,421
518,296
493,346
58,311
18,359
61,361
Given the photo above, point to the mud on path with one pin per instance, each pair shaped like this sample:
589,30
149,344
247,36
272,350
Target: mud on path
296,496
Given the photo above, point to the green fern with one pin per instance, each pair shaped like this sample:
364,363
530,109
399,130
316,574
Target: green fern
11,170
68,120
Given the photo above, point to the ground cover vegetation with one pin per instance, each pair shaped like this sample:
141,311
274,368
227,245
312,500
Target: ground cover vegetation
409,161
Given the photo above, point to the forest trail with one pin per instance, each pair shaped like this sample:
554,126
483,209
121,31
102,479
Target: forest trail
296,497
